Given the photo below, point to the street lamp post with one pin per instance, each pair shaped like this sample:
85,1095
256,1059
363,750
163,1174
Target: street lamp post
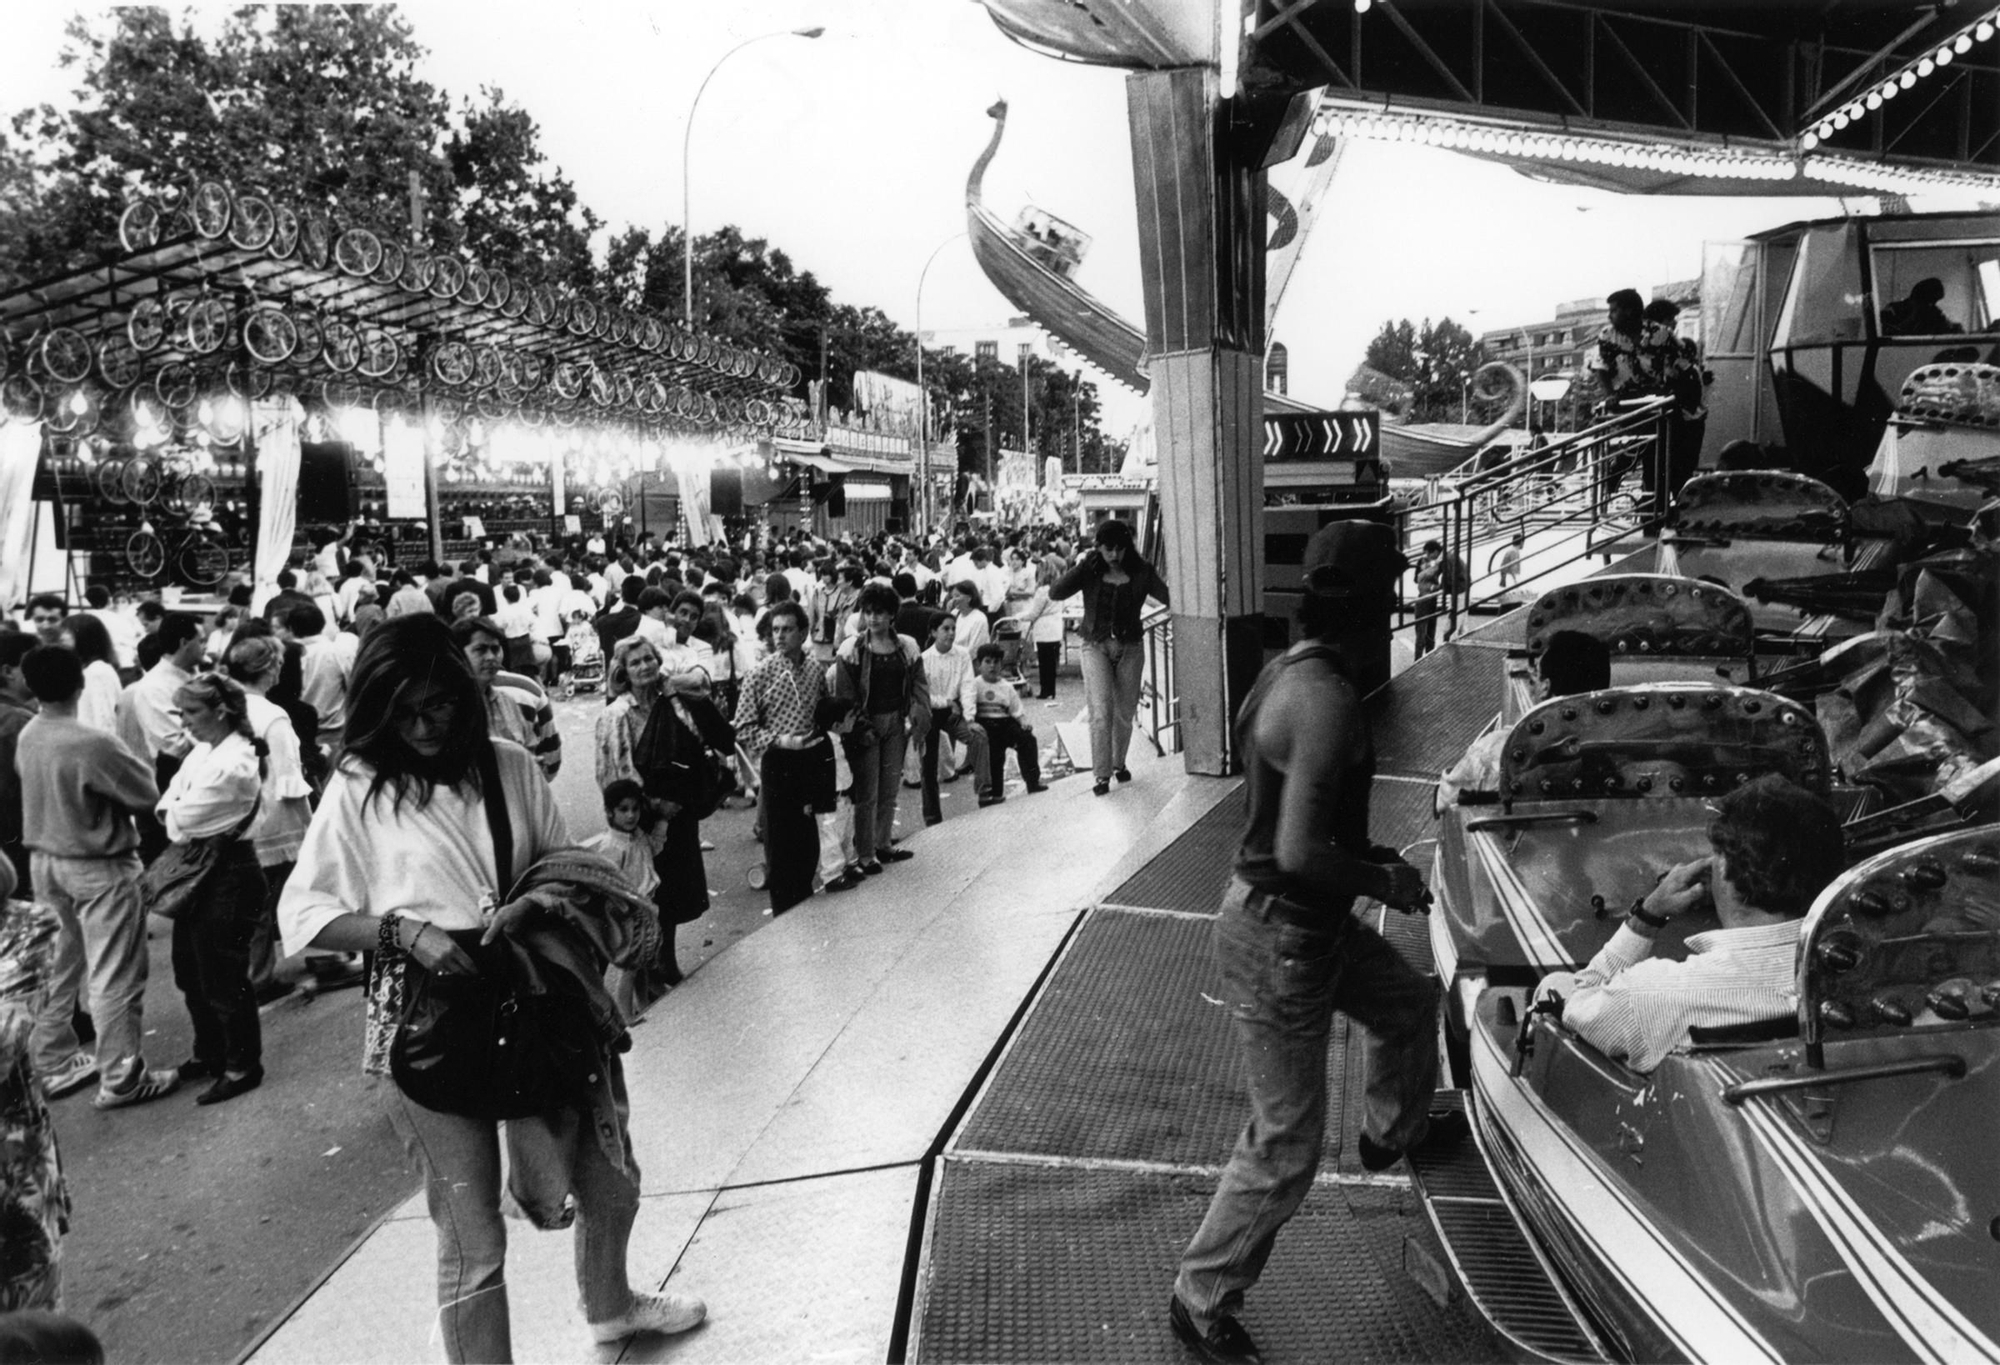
924,394
687,142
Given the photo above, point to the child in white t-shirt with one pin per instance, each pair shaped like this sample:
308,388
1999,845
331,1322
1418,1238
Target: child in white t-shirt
1003,718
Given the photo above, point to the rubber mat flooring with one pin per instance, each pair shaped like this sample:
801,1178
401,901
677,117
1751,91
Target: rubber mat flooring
1190,873
1126,1055
1039,1263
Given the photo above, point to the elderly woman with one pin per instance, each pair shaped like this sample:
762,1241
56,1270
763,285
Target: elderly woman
401,858
256,663
1115,583
215,795
882,673
674,774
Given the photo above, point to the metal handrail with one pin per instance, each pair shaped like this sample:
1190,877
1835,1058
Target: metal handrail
1945,1063
1158,694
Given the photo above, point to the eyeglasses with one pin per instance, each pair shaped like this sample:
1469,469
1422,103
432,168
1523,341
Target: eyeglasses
438,711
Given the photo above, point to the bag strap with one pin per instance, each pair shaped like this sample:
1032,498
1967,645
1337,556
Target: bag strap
494,801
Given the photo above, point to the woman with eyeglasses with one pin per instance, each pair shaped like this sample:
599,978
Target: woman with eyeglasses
215,794
401,857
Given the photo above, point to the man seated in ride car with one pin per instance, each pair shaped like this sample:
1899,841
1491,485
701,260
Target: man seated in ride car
1774,846
1570,663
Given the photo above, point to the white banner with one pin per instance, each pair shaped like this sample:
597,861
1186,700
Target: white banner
693,482
278,500
403,471
20,451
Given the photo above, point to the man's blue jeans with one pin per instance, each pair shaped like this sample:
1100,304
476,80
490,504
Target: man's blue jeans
1282,984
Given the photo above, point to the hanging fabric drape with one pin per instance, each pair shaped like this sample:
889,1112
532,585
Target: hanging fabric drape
278,498
694,502
20,452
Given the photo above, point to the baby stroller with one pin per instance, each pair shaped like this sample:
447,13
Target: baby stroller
586,658
1010,635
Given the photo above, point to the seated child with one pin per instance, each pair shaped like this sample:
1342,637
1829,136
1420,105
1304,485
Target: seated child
634,839
948,669
586,651
1001,715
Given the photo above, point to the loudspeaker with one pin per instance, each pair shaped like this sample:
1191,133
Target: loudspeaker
326,489
836,497
725,491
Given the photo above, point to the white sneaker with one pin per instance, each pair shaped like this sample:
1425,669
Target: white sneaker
663,1313
72,1076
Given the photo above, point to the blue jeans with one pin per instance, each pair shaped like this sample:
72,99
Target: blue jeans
460,1158
1283,983
1112,673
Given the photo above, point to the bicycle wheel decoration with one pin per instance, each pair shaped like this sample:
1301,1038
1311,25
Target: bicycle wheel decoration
253,222
284,232
21,398
65,356
142,482
418,265
311,339
119,363
175,385
110,481
358,252
145,554
205,326
488,366
139,226
315,239
447,276
451,364
341,343
391,268
269,334
247,381
146,325
210,209
203,560
500,289
380,355
478,286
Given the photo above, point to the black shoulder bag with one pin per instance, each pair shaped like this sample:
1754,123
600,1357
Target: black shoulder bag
488,1046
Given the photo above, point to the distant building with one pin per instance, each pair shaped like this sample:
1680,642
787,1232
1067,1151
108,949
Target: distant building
1278,369
1002,341
1562,343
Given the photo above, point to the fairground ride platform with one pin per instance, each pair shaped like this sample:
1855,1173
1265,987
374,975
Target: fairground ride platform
973,1110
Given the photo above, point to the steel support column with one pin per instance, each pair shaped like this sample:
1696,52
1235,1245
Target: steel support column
1200,192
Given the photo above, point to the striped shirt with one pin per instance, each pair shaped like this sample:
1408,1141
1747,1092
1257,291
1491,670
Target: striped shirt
529,721
1629,1004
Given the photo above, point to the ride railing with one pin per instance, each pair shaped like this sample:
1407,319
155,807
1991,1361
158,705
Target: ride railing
1580,495
1159,699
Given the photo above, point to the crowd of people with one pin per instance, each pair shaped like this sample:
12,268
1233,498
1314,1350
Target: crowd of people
300,780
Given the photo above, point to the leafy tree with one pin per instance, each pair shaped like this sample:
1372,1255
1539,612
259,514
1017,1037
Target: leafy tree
1434,359
523,220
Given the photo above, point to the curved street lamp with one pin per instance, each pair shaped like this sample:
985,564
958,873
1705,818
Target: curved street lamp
924,394
687,142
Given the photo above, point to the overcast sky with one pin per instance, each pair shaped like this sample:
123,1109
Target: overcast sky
851,151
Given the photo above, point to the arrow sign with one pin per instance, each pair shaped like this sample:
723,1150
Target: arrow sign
1306,437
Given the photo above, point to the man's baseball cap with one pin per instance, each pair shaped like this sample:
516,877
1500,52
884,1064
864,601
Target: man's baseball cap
1353,559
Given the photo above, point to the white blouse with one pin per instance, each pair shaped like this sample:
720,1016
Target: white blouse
367,857
287,810
98,706
213,790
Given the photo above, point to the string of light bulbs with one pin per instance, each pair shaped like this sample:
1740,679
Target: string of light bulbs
1923,68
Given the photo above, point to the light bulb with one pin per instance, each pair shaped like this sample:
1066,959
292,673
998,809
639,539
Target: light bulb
1962,44
1984,31
1944,56
78,404
1925,67
1908,79
1874,100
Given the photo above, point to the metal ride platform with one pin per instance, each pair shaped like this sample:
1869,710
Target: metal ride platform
974,1109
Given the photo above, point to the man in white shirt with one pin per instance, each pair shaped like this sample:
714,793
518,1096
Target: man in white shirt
408,599
325,665
1775,846
149,723
948,670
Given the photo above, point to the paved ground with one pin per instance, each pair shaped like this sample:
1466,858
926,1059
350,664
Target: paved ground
195,1228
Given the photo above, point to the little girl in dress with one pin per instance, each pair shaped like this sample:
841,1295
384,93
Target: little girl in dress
635,837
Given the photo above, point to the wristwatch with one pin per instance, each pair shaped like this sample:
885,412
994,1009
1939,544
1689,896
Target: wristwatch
1644,916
